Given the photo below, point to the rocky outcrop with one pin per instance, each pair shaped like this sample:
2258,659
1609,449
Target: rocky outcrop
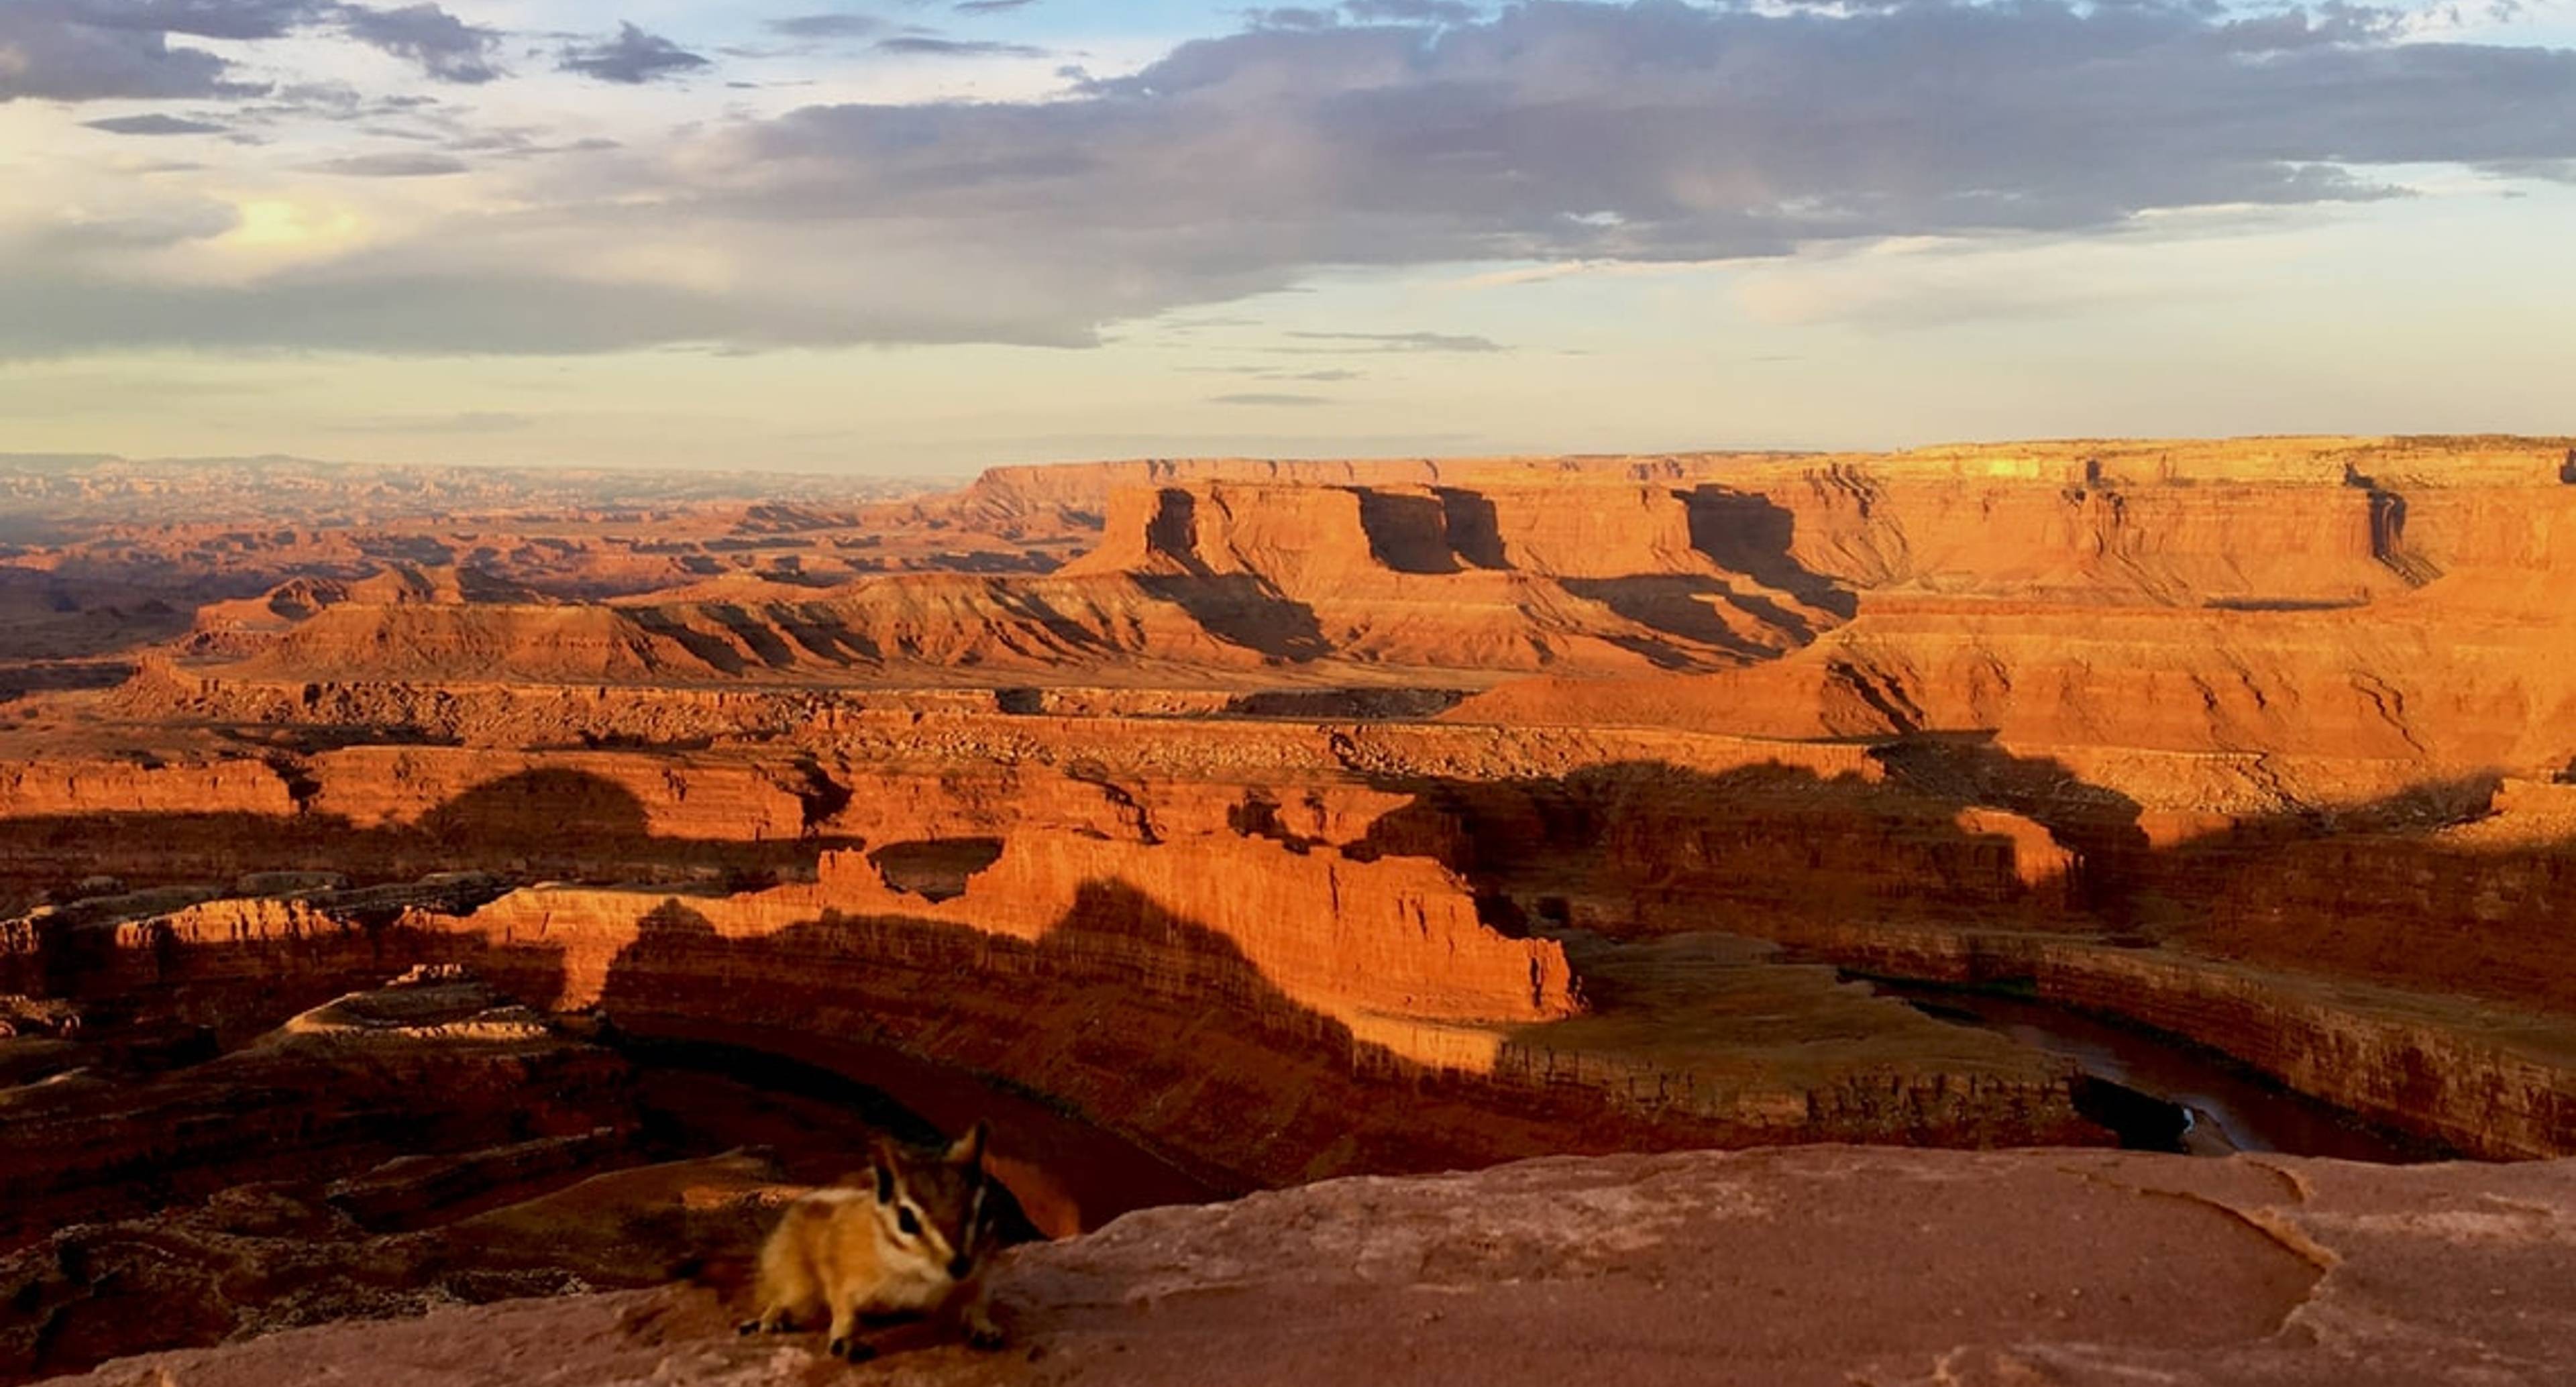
330,1095
1086,488
1304,538
74,788
1786,1267
1379,946
2496,1084
1597,576
561,793
1268,1012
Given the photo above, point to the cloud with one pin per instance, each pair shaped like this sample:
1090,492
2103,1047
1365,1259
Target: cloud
1266,399
930,45
1640,135
1405,341
828,26
1409,11
445,47
990,6
1363,12
147,228
386,302
86,50
633,57
212,19
155,124
397,164
1292,17
1909,287
50,52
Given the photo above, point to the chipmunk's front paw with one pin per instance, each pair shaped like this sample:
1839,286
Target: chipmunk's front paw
976,1318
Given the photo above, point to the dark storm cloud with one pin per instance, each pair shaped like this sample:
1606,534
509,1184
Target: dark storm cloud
1655,131
633,57
445,47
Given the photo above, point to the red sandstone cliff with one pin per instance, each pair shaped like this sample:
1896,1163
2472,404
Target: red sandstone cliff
80,787
1388,948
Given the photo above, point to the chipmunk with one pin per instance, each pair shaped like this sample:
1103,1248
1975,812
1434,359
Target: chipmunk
912,1237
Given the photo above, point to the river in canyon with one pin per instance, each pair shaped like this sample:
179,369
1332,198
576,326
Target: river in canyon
2223,1105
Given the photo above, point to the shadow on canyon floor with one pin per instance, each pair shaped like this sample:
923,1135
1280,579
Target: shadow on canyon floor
543,823
2372,893
1120,999
1135,1019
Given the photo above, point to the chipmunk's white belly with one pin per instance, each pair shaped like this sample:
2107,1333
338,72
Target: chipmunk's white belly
910,1284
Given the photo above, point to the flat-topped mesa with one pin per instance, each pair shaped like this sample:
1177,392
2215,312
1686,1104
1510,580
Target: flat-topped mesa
2221,543
1087,487
300,598
427,640
1602,577
1805,532
1312,539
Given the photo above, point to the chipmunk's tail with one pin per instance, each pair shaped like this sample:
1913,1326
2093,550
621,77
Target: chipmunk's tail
723,1272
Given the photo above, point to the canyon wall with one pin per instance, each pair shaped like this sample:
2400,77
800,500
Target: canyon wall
562,793
1371,945
2495,1084
2283,706
70,787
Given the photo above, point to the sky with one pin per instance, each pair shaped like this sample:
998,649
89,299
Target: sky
921,236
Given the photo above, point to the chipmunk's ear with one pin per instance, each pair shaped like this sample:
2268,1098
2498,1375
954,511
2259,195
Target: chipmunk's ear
968,1150
881,1161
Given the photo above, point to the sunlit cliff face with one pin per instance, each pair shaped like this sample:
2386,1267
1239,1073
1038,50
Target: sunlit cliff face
910,234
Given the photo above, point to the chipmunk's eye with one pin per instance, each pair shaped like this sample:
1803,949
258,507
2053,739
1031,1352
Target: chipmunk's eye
904,1220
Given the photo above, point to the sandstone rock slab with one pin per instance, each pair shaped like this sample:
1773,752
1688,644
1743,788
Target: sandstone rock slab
1827,1265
